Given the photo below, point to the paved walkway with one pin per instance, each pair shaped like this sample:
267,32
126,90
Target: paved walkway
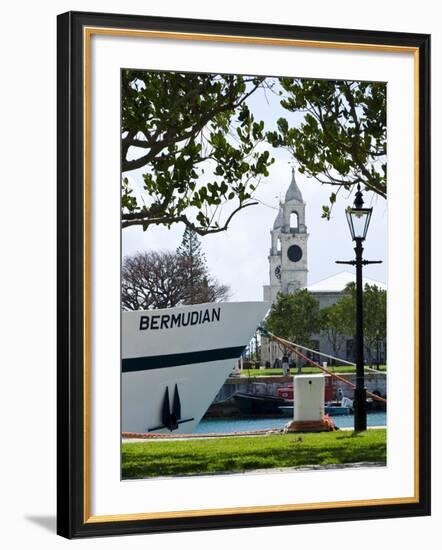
313,467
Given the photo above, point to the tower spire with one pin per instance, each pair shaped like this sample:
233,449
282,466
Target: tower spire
293,192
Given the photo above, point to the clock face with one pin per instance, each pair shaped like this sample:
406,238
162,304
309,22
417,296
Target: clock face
278,272
294,253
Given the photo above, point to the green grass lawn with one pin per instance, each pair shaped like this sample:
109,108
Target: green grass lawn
239,454
306,370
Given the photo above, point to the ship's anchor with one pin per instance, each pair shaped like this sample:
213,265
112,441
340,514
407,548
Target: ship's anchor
171,418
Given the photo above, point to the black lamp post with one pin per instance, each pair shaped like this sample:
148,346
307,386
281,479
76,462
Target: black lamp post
358,219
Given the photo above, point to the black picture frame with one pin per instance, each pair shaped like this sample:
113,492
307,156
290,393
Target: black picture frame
72,513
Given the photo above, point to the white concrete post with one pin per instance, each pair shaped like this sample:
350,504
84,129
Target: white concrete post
309,397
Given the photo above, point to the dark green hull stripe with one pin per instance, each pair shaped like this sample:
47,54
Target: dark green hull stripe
179,359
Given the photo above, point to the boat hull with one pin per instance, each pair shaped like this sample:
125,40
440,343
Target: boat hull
180,355
258,405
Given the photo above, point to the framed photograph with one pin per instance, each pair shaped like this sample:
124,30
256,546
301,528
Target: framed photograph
243,274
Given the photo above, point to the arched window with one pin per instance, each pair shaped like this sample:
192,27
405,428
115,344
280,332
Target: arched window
278,245
294,220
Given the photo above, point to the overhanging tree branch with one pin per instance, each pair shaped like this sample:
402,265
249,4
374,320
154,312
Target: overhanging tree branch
133,219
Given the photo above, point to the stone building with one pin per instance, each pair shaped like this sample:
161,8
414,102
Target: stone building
288,250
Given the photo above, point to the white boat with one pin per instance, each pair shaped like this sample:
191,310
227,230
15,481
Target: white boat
174,361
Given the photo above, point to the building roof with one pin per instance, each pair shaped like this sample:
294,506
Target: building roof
337,283
293,192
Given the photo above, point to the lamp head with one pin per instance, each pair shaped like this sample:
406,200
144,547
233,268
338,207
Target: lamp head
358,217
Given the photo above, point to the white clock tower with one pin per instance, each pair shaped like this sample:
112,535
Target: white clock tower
288,252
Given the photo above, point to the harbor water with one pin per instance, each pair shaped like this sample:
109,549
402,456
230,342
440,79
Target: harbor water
226,425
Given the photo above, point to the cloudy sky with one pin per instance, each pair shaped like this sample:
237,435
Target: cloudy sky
239,256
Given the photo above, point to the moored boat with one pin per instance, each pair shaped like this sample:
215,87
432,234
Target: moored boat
254,404
175,360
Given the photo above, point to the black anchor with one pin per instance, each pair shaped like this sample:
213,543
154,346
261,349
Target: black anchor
171,419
